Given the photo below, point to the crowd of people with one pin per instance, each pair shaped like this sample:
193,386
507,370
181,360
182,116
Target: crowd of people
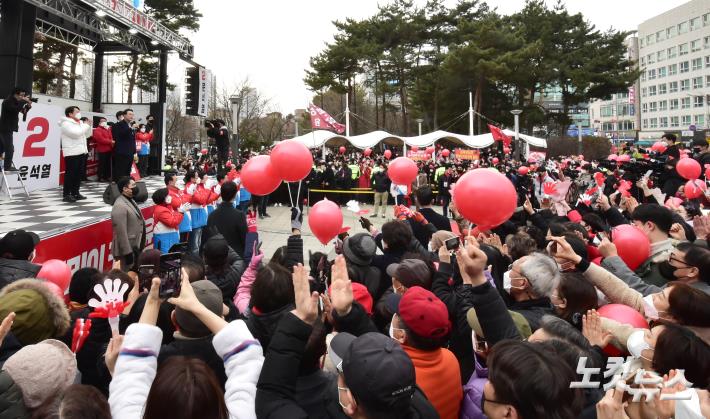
421,315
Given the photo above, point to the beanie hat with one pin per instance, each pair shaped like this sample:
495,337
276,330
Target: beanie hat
39,313
360,249
42,371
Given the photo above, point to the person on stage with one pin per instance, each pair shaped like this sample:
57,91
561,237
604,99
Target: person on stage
104,146
74,135
18,102
125,145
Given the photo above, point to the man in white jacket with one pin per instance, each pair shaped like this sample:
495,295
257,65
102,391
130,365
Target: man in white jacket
74,135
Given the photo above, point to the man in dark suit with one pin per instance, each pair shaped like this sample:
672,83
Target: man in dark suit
125,147
227,220
424,197
18,102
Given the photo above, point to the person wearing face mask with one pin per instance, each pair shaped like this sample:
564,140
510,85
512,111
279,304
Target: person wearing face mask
73,135
530,282
701,151
199,197
17,249
143,139
573,297
128,225
104,146
167,220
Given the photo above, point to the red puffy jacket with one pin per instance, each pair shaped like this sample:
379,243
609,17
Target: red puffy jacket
104,139
177,197
201,196
166,215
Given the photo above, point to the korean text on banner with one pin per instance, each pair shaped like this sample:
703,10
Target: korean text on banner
463,154
419,155
37,148
205,91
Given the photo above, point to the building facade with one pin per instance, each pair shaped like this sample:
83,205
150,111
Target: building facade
674,58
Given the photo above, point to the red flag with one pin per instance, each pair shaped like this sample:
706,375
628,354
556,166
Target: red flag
320,119
498,135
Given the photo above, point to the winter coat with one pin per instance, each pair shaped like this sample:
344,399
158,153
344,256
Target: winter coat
263,326
125,139
227,279
74,134
12,405
137,366
143,140
533,310
243,295
13,269
231,223
128,227
380,182
103,138
10,114
424,233
473,393
166,219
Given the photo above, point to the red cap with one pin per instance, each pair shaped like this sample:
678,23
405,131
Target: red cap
424,313
362,296
574,216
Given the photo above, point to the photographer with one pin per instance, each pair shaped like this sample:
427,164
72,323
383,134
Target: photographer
220,133
18,102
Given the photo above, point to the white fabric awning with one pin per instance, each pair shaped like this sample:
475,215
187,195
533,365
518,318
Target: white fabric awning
318,138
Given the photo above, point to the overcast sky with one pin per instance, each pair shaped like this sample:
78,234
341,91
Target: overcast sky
271,41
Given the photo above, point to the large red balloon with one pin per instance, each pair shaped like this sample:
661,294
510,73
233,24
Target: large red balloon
631,244
485,197
445,152
688,168
259,176
325,220
367,152
57,272
430,150
388,154
292,160
624,315
523,170
342,149
658,146
402,171
694,188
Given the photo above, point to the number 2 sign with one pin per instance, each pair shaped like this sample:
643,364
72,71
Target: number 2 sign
38,130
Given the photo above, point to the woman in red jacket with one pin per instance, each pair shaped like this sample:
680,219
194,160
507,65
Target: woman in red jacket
104,148
166,221
199,196
143,139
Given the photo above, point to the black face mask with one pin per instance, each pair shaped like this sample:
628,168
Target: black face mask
667,270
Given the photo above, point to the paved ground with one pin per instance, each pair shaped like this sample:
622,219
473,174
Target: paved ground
274,231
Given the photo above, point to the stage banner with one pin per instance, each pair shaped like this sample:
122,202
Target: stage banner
88,246
37,148
419,155
463,154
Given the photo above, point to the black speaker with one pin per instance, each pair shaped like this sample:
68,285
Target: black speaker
111,193
142,192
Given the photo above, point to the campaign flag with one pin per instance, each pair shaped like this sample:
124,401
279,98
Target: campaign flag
498,135
320,119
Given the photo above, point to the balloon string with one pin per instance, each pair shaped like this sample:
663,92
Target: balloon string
298,194
288,187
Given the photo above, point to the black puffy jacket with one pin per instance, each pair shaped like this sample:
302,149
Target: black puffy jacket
12,269
12,406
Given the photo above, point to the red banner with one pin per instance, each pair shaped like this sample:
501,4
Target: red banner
419,155
320,119
464,154
89,246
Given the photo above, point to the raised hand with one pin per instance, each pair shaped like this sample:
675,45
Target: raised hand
607,248
306,302
564,250
112,351
592,329
341,289
6,325
187,300
473,262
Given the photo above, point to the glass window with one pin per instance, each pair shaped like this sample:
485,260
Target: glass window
643,92
683,27
650,39
707,61
606,110
654,123
661,55
653,107
651,58
699,120
626,125
652,90
697,82
685,103
662,89
697,63
672,69
661,72
661,35
706,19
683,49
684,67
695,45
643,42
673,87
644,107
675,122
643,61
706,42
674,104
663,122
672,52
707,81
652,74
644,123
663,105
622,109
697,101
671,31
685,120
695,23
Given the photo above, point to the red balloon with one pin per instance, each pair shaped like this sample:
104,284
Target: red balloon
624,158
57,272
430,150
694,188
204,151
523,170
367,152
659,147
415,148
342,149
612,157
402,171
624,315
54,288
292,160
427,156
485,197
506,150
388,154
445,152
631,244
325,220
259,176
495,160
688,168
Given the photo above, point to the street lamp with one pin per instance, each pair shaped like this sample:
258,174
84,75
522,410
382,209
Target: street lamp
419,122
516,114
236,102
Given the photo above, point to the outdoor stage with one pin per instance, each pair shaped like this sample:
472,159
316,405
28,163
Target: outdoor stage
79,233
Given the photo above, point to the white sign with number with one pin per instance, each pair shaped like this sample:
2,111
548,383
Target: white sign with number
37,148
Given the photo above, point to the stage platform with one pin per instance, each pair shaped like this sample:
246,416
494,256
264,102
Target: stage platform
46,214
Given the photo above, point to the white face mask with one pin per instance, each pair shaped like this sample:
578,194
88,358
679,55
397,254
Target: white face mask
428,247
508,283
169,200
103,124
77,115
142,129
636,344
649,308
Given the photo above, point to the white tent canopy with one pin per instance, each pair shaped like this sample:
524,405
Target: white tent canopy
318,138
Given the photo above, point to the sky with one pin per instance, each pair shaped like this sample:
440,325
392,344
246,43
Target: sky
270,41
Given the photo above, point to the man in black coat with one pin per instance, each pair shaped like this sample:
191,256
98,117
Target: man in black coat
125,147
424,197
16,252
17,102
227,220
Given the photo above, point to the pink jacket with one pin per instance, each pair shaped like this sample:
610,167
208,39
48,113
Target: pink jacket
243,295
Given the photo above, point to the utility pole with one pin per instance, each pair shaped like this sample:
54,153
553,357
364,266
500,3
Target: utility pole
516,115
470,113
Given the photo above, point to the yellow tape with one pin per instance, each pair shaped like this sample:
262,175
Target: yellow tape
340,191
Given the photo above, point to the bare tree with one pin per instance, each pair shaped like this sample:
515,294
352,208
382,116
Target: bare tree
179,128
250,107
